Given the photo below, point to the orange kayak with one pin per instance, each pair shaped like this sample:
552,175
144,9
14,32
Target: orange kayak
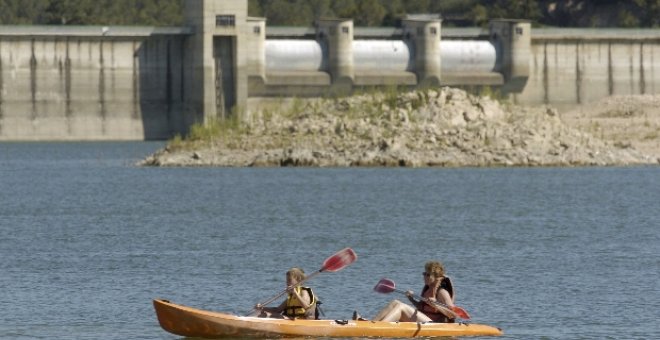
191,322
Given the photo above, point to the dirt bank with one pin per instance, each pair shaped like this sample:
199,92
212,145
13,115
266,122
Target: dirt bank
623,121
444,127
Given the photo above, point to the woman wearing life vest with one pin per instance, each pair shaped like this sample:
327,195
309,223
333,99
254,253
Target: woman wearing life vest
300,302
437,287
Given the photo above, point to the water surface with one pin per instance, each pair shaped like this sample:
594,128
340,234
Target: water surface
87,240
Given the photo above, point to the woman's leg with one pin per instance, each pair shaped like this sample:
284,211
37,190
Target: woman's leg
391,311
399,311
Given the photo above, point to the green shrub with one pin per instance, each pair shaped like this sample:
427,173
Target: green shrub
200,132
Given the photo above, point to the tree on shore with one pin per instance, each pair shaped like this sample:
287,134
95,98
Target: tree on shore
577,13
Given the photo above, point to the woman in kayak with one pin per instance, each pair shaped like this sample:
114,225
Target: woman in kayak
300,302
437,287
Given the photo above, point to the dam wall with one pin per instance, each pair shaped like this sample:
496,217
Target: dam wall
571,67
91,83
146,83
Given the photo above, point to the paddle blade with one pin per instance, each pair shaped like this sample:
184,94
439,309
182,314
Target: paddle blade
385,286
462,313
339,260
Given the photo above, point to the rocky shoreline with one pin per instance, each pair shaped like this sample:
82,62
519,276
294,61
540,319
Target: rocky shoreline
444,127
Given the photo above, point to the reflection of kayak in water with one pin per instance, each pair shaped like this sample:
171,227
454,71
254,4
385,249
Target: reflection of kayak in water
191,322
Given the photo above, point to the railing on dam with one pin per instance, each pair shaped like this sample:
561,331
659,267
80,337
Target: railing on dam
90,31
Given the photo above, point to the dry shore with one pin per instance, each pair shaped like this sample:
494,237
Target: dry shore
444,127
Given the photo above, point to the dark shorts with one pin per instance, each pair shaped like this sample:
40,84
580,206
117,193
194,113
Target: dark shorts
439,317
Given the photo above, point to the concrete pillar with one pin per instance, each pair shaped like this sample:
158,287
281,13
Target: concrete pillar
513,39
198,58
217,43
336,35
425,35
256,47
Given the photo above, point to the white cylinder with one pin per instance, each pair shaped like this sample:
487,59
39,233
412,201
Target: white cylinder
474,56
294,55
381,56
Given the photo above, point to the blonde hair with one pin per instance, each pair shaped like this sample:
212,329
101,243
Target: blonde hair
296,273
435,268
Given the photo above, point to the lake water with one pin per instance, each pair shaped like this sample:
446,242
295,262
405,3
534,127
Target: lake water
87,240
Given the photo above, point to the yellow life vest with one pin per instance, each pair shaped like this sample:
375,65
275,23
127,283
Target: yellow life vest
294,308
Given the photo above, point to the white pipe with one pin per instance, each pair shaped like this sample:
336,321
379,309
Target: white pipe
468,56
381,56
294,55
474,56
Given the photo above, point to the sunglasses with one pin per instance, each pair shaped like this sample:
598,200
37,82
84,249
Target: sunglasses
426,274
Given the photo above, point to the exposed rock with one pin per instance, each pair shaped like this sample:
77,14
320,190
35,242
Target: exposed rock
442,128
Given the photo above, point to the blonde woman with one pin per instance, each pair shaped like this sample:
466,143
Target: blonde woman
437,287
300,302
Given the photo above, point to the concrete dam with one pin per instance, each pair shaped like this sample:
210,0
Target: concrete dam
145,83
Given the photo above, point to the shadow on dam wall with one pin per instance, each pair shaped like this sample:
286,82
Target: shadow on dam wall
160,91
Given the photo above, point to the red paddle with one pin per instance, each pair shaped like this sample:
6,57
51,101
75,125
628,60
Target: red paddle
387,286
334,263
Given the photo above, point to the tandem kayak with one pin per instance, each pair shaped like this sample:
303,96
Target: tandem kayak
191,322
